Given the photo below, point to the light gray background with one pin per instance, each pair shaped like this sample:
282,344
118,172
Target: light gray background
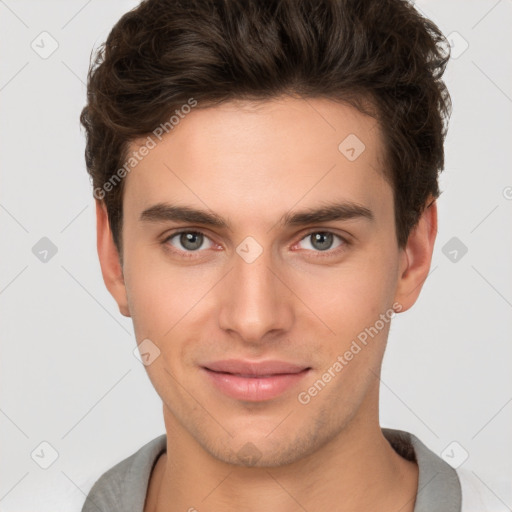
68,374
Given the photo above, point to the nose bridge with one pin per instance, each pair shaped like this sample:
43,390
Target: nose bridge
254,300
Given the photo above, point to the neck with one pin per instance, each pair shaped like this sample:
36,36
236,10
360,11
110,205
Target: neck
357,470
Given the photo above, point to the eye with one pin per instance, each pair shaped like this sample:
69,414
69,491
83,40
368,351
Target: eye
322,241
188,241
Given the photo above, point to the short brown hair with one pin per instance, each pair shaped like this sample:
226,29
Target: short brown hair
165,52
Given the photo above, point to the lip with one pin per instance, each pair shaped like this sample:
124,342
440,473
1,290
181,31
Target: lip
254,381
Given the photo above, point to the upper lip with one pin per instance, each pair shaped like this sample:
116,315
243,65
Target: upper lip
245,367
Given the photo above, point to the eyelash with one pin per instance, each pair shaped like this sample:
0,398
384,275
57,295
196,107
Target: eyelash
318,254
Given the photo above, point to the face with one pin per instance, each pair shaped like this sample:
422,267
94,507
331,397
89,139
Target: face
260,259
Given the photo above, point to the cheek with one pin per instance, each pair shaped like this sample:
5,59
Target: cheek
350,297
350,303
157,293
160,299
162,305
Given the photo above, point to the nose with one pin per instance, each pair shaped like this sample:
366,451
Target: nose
256,304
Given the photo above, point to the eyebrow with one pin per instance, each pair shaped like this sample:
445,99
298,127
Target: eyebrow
332,211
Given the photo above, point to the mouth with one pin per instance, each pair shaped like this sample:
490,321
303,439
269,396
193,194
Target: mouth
254,381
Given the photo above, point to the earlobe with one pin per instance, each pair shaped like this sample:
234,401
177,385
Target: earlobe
109,259
416,257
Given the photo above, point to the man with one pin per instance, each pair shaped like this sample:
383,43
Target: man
265,176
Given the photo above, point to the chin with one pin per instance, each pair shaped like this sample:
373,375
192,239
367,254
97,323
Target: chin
264,451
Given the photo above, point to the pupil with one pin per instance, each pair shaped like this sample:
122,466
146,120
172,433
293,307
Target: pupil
322,241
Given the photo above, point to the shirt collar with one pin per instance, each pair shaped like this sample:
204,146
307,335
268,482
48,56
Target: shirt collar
438,483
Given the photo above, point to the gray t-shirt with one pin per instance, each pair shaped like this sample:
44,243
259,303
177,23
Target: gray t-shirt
123,488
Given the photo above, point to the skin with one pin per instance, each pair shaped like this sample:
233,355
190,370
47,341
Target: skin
251,162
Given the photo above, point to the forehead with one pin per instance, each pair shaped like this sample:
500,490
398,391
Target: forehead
262,157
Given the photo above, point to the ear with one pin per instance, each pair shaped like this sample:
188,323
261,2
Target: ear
416,257
109,259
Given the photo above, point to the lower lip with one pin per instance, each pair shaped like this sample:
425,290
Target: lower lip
254,389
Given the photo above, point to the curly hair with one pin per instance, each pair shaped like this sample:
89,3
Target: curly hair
382,57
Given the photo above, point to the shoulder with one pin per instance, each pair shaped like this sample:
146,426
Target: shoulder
477,495
124,486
